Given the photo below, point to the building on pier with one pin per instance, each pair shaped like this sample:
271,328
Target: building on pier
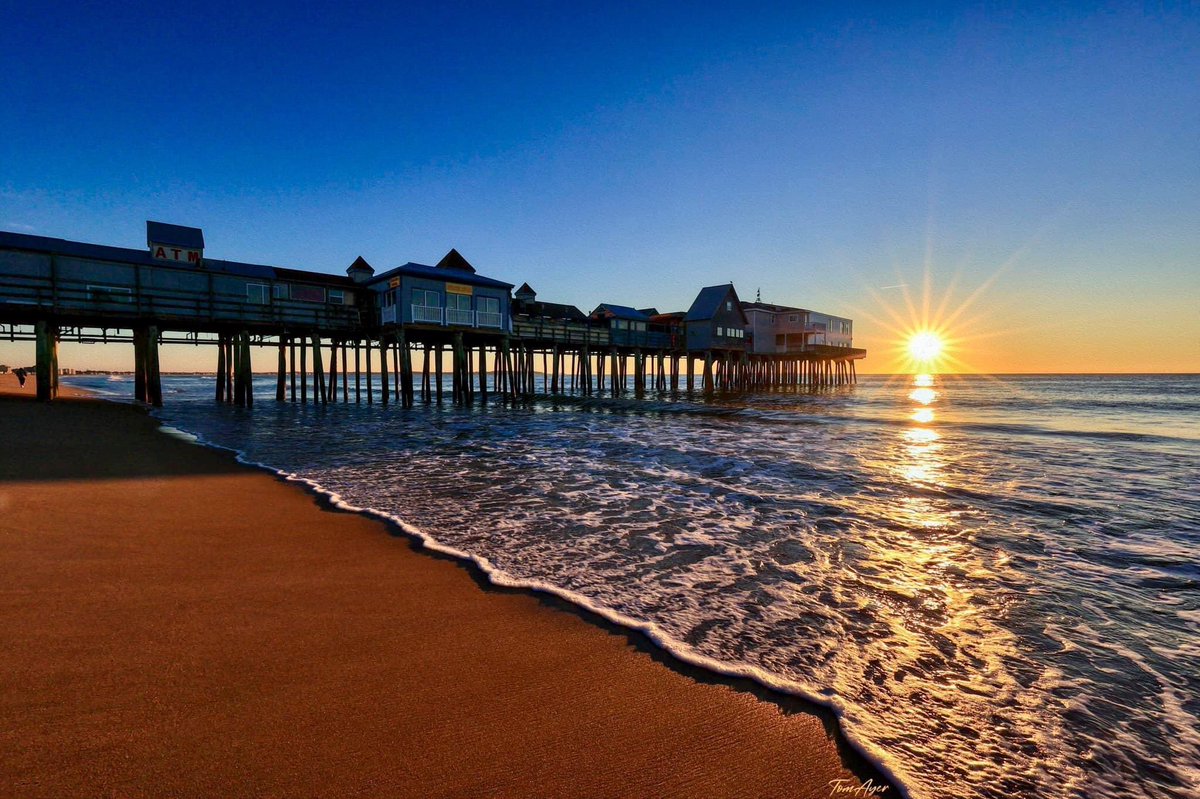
629,327
169,282
780,329
831,331
670,326
716,320
525,303
450,294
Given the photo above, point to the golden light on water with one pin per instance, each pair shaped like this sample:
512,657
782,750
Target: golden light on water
923,415
920,436
923,395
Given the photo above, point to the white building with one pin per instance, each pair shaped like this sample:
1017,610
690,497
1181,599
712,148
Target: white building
779,329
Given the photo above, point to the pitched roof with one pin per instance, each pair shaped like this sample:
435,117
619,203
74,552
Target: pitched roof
441,273
620,312
360,263
648,311
549,310
526,290
452,260
177,235
709,300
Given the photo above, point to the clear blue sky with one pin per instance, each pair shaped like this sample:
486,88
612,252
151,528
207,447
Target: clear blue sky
635,154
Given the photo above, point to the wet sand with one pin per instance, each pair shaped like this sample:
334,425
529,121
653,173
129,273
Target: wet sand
174,624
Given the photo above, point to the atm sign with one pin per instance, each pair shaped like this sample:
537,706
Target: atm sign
182,255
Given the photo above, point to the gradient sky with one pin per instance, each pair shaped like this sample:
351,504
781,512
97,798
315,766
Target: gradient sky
1045,163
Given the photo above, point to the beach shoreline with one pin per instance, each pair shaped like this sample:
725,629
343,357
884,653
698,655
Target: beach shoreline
568,704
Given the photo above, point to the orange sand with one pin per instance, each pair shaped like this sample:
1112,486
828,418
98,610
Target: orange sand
173,624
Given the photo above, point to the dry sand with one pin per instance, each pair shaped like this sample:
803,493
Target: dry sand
174,624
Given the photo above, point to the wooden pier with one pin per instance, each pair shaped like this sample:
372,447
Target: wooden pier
359,338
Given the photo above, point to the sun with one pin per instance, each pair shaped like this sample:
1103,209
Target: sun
924,346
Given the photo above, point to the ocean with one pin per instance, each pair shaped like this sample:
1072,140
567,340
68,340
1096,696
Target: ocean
994,582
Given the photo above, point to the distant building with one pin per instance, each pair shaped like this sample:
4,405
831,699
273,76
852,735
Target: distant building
628,327
449,294
670,326
525,303
780,329
716,320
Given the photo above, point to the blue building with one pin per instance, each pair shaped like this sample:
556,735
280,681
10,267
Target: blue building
449,295
629,327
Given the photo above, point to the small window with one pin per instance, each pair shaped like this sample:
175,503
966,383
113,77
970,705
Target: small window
258,293
110,294
489,305
336,296
720,331
308,293
426,298
793,318
458,302
279,291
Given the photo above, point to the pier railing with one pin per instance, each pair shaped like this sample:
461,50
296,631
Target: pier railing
461,318
427,314
559,332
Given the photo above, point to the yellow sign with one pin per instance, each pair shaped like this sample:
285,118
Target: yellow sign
394,283
458,288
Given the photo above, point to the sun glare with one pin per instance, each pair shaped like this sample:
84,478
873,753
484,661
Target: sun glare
924,346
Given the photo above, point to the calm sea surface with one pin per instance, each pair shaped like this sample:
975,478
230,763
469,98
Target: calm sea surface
995,582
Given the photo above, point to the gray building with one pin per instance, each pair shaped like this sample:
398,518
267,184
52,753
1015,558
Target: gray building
780,329
169,281
716,320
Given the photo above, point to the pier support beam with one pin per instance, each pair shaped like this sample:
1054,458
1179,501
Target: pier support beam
383,369
139,367
46,338
280,378
319,397
153,375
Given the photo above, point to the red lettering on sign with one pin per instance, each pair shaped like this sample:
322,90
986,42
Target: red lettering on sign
159,253
176,254
193,256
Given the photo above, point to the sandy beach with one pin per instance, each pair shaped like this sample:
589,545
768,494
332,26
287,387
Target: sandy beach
175,624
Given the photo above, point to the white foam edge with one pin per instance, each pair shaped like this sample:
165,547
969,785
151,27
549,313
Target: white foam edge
499,577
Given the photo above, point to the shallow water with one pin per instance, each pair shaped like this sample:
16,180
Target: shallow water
994,582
